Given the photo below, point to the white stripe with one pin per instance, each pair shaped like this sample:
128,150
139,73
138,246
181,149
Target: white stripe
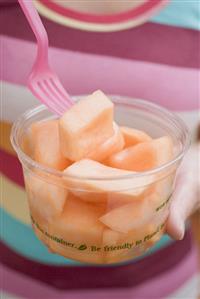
190,290
5,295
16,99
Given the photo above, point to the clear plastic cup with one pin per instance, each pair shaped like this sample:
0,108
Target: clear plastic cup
102,227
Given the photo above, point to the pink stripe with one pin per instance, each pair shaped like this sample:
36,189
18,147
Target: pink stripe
21,285
173,87
103,19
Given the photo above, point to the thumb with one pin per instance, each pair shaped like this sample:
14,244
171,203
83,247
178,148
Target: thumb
185,198
183,203
175,225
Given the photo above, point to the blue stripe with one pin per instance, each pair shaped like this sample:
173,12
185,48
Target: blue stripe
21,238
180,13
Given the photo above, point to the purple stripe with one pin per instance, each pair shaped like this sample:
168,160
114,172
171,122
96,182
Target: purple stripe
8,3
11,167
149,42
128,275
157,287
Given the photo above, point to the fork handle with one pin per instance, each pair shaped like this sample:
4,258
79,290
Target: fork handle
38,29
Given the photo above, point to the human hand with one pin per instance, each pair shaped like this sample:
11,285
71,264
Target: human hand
186,196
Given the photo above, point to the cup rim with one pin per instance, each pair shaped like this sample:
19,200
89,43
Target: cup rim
25,159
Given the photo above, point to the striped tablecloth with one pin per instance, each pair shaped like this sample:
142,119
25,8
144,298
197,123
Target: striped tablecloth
158,61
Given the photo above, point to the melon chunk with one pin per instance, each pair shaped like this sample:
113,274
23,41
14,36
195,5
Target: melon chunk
129,216
120,247
155,202
46,199
46,144
110,186
86,125
124,214
39,224
125,246
111,146
161,191
79,228
133,136
143,156
27,144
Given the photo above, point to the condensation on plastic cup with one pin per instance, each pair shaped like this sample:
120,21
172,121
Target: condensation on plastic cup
127,239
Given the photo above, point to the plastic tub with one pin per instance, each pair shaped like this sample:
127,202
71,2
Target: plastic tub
135,209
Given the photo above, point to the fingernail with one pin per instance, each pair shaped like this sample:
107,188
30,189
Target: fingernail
181,230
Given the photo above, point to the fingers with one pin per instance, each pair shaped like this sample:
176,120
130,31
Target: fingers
178,210
185,199
175,226
184,203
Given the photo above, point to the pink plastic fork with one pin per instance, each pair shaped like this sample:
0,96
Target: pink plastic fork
43,82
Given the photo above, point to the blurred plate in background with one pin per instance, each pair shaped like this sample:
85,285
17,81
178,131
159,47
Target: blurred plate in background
96,15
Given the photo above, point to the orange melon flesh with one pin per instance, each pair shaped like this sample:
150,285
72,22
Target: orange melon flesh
133,136
79,226
101,190
38,219
129,216
27,144
123,216
111,146
46,199
161,192
46,144
149,234
143,156
85,126
123,245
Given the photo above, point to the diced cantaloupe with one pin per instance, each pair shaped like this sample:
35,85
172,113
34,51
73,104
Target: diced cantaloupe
85,126
79,228
129,216
125,246
143,156
39,223
45,198
155,202
82,255
112,145
27,144
133,136
122,216
46,144
160,192
97,213
110,182
115,201
120,247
